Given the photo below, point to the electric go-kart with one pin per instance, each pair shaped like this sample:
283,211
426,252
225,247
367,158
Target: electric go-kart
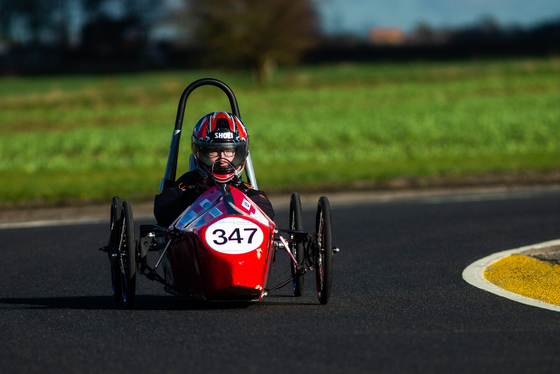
221,247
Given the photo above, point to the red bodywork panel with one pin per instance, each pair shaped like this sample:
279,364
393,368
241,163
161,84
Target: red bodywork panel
225,249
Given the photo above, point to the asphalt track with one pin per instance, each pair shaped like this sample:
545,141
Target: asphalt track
399,300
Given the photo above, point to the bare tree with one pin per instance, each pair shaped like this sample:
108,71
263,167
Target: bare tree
252,33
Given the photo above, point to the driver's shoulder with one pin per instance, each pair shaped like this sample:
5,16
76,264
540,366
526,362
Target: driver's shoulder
188,179
245,186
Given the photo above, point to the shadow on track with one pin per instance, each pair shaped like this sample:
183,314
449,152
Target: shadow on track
150,302
146,302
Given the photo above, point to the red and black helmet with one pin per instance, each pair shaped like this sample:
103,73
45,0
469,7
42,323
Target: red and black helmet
218,132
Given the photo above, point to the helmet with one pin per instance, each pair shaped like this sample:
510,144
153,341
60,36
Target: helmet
218,132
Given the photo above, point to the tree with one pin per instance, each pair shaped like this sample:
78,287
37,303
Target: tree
38,19
424,32
252,33
118,28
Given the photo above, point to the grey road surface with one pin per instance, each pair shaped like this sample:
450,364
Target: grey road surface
398,304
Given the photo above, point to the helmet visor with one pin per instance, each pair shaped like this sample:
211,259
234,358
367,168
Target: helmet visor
235,153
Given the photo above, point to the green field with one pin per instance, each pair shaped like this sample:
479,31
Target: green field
87,138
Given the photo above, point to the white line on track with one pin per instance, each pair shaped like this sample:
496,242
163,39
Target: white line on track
50,223
473,275
345,199
61,222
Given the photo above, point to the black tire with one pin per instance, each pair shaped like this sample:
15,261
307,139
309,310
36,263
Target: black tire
296,223
323,250
114,240
128,254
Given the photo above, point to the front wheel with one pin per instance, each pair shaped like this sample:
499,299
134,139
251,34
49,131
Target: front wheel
127,253
114,239
323,250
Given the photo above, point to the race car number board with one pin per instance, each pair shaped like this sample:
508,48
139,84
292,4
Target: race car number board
234,235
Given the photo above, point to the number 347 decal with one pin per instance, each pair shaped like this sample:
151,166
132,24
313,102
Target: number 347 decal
234,235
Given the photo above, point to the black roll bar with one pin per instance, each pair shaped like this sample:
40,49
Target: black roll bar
171,168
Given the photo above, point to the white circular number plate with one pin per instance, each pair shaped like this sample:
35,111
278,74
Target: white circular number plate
234,236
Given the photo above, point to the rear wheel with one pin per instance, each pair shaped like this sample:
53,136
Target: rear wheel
128,257
324,250
296,223
114,240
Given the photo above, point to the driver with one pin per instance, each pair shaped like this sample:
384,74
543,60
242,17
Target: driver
220,145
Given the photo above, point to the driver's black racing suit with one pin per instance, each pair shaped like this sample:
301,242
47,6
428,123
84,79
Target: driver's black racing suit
172,201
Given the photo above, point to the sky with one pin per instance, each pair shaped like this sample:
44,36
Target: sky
357,16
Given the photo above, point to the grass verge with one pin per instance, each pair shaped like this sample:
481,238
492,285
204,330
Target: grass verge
86,138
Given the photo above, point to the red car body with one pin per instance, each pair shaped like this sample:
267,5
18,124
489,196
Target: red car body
224,250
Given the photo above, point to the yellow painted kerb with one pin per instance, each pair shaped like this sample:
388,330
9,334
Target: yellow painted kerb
526,276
